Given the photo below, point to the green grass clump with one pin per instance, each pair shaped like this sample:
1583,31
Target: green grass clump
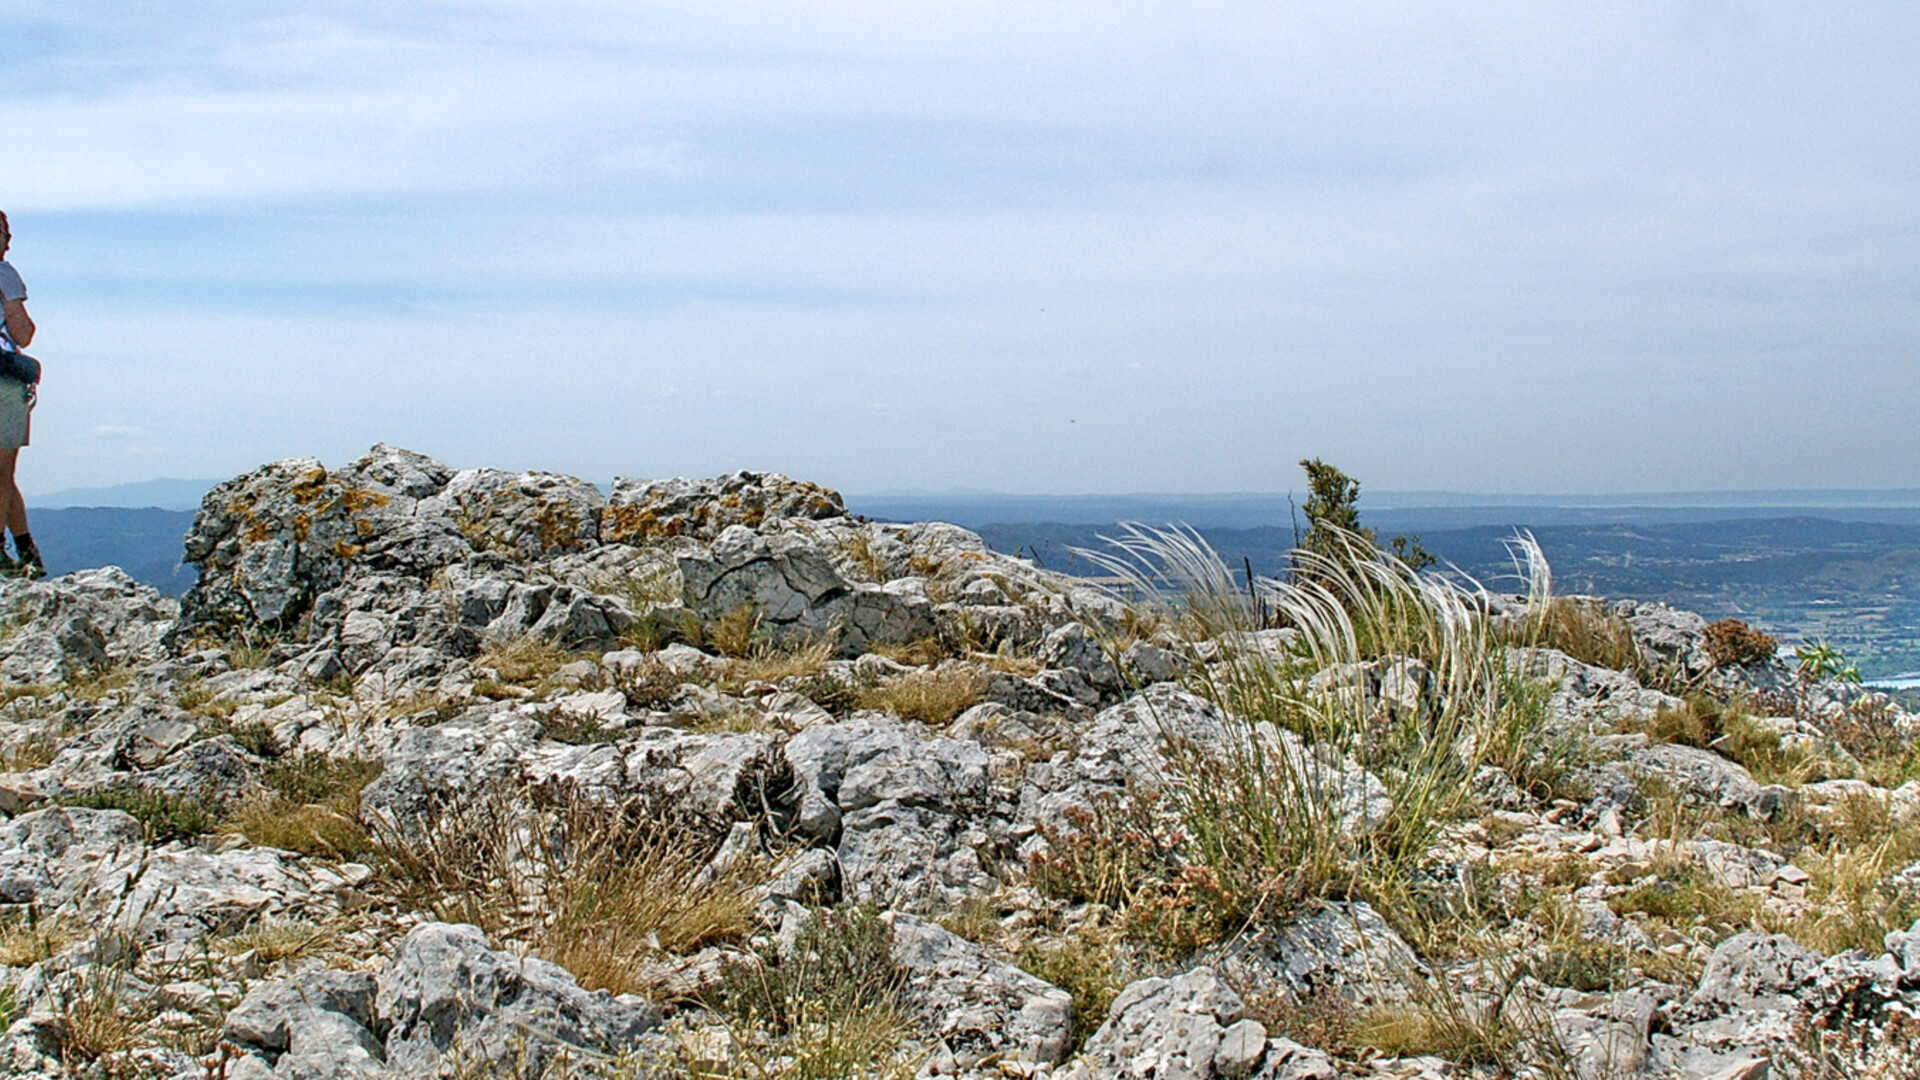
841,962
1269,825
165,817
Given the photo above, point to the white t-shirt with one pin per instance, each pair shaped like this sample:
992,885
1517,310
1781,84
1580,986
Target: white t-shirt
11,288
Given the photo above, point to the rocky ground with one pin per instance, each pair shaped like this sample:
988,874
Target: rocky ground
480,774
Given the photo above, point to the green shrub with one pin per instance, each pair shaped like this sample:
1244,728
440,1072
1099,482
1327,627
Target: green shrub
834,1002
1123,853
254,737
322,778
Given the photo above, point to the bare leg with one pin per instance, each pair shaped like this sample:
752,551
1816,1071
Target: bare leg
17,508
10,504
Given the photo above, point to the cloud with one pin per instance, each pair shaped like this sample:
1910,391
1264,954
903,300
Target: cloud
1471,249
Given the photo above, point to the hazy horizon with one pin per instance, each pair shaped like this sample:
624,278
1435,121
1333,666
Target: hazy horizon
1374,499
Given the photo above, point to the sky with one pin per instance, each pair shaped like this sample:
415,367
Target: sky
1025,247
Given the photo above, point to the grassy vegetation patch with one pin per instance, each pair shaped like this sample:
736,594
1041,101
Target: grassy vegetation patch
603,890
932,697
165,817
313,807
834,1003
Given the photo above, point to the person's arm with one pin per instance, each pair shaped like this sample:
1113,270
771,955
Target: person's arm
19,326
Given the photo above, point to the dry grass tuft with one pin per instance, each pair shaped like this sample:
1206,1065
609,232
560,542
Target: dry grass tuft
1582,628
632,883
98,1026
798,659
28,940
522,661
931,697
601,890
273,941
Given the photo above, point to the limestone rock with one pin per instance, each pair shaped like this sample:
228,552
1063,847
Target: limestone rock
524,515
983,1009
313,1025
897,804
449,996
77,621
642,510
1341,947
1189,1027
69,858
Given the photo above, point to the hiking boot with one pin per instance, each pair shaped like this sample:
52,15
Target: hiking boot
8,568
29,565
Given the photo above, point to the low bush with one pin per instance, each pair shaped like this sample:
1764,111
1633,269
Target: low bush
323,778
1128,855
1081,962
834,1004
254,737
1733,643
841,962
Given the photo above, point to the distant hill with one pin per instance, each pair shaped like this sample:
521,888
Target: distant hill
145,542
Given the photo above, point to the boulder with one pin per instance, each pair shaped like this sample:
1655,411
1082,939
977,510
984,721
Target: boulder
983,1009
185,896
788,580
317,1025
69,858
523,516
1704,777
1340,947
66,625
1190,1027
267,542
897,805
450,999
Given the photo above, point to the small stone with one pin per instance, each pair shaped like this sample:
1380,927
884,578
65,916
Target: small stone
1241,1047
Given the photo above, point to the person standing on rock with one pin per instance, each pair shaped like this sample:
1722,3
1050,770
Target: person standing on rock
16,414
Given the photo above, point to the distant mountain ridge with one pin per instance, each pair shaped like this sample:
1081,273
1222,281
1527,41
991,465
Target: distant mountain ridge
1391,511
166,493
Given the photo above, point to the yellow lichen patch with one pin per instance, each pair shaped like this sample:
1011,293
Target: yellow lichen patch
257,532
623,524
556,526
302,527
309,487
358,499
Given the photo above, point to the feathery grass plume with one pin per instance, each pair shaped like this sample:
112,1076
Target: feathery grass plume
1279,812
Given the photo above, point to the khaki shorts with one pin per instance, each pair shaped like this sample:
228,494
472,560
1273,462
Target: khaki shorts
16,410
